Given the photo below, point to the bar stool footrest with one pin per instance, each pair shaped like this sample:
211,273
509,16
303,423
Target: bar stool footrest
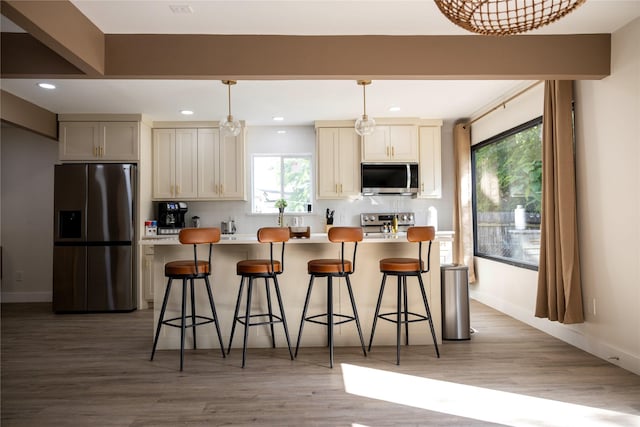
205,320
276,319
393,317
312,319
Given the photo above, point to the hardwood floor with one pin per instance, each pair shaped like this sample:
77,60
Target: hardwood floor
94,369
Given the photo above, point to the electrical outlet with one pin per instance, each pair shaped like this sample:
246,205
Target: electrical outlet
19,275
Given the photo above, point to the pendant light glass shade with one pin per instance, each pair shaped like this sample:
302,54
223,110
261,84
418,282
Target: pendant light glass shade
365,125
229,126
505,17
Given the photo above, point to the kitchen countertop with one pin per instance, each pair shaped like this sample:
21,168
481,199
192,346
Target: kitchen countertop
315,238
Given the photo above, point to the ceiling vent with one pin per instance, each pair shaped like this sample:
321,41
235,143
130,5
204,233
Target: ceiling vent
181,8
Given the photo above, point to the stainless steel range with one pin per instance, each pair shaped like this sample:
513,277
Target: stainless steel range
381,223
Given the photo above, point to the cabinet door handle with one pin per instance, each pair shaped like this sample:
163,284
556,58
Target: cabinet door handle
340,188
171,190
221,189
393,151
422,187
101,151
386,151
177,189
95,151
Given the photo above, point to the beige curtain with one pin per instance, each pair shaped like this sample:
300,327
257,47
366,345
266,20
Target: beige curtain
559,287
462,209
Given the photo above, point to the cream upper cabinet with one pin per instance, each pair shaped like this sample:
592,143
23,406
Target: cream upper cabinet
394,143
430,162
99,141
175,161
338,169
220,165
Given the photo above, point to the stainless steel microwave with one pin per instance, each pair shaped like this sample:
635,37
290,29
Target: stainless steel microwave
389,178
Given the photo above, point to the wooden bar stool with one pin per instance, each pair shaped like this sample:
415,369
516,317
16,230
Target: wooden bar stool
190,270
267,269
402,268
330,268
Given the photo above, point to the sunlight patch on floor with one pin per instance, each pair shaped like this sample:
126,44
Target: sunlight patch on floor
476,402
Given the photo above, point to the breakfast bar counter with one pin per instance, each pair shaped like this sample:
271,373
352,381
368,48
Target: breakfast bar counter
293,284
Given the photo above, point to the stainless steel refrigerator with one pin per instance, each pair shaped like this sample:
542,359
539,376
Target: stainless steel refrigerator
93,255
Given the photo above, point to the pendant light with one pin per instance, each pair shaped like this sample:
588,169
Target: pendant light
364,125
505,17
230,126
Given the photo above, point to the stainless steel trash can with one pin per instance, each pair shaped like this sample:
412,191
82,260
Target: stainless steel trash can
455,302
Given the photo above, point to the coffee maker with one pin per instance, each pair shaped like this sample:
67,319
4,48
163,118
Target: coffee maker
171,217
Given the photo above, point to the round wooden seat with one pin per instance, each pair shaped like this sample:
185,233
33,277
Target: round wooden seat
324,266
185,268
400,265
258,266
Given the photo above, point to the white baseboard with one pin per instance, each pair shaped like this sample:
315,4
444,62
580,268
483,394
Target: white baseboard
9,297
571,334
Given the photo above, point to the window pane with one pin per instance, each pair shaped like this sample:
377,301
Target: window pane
281,177
507,174
266,183
297,183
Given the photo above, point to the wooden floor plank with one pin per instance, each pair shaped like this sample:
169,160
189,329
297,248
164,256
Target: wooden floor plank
93,369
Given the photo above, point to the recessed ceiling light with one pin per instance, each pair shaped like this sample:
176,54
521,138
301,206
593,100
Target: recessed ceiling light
47,86
394,108
186,112
278,118
282,131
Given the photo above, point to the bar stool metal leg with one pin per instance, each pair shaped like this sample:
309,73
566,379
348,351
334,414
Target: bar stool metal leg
426,306
235,313
398,320
273,336
355,315
161,318
304,313
193,314
214,315
406,309
183,324
330,318
375,317
247,319
282,315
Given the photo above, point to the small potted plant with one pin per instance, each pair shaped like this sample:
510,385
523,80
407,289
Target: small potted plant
281,204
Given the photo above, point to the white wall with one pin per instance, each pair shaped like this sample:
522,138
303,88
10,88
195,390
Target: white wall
27,215
301,139
608,177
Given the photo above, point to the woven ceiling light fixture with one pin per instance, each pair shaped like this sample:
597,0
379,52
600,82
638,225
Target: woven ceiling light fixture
505,17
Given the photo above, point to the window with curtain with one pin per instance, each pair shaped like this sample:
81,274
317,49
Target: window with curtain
281,177
507,195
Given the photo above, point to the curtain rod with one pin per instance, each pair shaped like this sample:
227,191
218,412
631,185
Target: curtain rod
502,104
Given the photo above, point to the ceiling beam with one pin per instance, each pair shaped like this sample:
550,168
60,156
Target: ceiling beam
22,56
60,26
163,56
24,114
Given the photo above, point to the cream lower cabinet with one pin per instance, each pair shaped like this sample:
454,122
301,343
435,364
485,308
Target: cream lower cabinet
175,163
430,172
338,167
220,165
99,141
394,143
